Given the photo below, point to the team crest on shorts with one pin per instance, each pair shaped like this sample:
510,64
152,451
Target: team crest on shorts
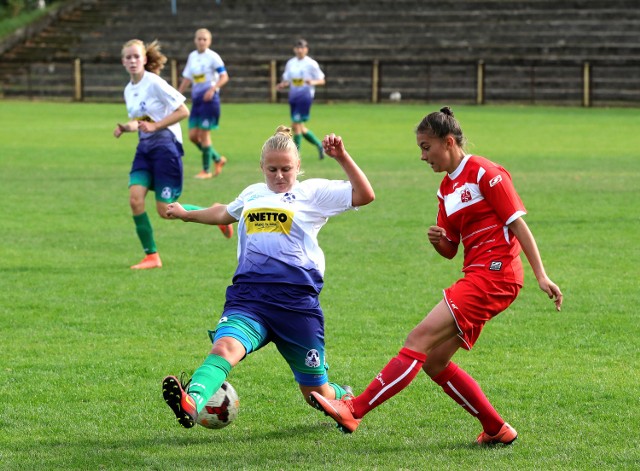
166,193
312,359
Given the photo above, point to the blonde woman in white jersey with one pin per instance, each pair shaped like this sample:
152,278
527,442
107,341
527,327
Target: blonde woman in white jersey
155,110
206,73
274,295
302,75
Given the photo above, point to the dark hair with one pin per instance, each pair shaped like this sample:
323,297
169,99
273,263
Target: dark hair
440,124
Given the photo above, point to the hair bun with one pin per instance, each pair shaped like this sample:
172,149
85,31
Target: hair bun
282,129
446,110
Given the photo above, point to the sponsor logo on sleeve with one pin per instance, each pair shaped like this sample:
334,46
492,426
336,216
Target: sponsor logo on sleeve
495,180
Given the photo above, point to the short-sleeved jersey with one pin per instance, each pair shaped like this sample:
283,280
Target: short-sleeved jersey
153,99
476,203
203,70
277,232
297,71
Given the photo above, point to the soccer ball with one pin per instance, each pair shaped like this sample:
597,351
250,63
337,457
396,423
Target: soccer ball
395,96
222,408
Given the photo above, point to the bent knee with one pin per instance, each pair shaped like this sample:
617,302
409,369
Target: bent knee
136,204
433,367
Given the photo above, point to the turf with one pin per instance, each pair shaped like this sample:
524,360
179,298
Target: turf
86,342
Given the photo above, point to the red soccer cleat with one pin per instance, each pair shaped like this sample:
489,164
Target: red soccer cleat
217,166
227,230
339,410
150,261
203,175
506,436
182,405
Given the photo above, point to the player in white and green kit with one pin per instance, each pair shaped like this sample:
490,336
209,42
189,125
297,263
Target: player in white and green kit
302,75
155,110
206,73
274,296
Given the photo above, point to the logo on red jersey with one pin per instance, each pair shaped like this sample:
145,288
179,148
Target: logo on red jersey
495,180
495,266
465,195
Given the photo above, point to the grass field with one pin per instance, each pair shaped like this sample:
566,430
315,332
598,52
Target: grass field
85,341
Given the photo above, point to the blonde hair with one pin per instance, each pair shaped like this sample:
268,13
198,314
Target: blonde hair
282,140
155,58
203,30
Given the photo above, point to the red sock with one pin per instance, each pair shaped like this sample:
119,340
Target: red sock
463,389
393,378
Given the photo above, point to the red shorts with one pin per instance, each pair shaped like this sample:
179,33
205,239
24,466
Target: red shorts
475,299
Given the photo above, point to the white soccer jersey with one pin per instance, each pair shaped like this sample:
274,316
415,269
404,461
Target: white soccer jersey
297,71
284,227
203,70
153,99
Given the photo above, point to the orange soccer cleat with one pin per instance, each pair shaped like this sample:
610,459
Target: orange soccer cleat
506,436
150,261
227,230
204,175
339,410
218,166
182,405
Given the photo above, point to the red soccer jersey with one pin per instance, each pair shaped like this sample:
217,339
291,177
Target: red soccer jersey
476,202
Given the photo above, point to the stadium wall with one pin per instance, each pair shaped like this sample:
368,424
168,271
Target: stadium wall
580,52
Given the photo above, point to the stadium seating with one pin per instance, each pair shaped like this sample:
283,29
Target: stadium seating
531,51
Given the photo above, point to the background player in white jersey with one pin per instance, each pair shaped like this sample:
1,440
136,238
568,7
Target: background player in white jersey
302,75
155,109
275,289
206,73
479,207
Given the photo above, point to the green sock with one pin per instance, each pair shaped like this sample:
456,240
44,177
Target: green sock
297,138
207,156
207,379
145,233
191,207
309,136
215,155
340,391
199,146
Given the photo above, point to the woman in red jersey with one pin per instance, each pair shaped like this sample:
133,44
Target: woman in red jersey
480,208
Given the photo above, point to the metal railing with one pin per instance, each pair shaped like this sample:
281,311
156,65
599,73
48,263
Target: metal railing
376,81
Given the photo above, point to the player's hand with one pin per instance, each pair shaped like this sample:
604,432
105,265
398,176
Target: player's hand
333,146
436,234
552,290
119,130
146,126
176,211
208,96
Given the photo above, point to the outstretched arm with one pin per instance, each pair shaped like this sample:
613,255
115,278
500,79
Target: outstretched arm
214,215
362,190
530,248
